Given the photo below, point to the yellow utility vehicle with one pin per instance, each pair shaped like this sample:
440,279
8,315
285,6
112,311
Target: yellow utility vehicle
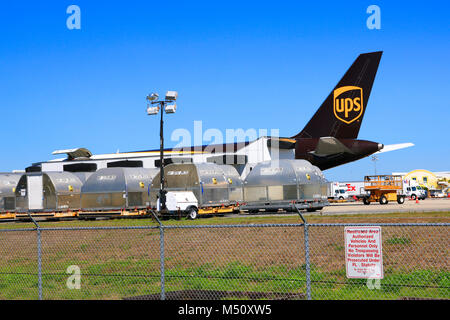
384,188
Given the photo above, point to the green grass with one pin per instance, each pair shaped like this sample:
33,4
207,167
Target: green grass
128,278
398,240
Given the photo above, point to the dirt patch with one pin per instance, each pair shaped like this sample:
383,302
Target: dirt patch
216,294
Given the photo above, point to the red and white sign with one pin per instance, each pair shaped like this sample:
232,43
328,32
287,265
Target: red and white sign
363,252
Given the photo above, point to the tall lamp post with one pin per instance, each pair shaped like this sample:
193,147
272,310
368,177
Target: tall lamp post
375,159
167,105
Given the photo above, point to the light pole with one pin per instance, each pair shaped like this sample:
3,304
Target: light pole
168,105
375,159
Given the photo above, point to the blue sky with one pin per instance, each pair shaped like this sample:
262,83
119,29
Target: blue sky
262,65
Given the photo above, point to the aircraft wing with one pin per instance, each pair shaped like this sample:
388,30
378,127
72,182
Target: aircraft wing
392,147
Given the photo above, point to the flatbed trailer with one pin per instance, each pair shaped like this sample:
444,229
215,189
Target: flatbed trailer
384,188
71,215
287,205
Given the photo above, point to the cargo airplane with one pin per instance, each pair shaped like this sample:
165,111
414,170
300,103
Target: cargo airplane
328,140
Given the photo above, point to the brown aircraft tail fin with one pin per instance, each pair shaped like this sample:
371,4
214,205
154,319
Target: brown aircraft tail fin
342,112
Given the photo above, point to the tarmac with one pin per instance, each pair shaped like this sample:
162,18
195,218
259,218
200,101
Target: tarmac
427,205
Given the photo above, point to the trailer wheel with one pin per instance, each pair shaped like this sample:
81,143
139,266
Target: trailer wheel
401,200
413,196
366,201
383,200
192,213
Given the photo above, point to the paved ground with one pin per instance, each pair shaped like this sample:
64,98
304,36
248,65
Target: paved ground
409,206
428,205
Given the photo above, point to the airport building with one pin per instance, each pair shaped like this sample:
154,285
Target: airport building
428,179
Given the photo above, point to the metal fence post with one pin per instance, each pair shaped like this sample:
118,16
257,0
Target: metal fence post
161,255
39,251
161,245
39,254
308,266
307,263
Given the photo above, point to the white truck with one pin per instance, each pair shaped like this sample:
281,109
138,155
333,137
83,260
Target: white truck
346,190
413,190
337,192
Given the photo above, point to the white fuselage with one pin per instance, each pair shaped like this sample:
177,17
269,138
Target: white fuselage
255,151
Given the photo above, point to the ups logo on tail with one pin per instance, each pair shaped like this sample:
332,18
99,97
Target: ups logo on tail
348,103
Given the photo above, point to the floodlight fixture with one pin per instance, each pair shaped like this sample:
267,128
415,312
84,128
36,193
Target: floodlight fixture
171,108
153,97
171,95
152,110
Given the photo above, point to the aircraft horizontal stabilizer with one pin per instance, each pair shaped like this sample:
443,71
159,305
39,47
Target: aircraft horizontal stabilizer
74,153
328,146
392,147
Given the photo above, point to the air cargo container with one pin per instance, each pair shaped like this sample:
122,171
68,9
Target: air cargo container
8,184
275,185
117,188
199,188
49,191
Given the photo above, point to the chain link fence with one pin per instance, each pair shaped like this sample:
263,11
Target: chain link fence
246,261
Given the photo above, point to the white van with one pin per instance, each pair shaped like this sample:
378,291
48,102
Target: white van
414,191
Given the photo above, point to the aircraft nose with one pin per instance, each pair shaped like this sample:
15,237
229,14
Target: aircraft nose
380,146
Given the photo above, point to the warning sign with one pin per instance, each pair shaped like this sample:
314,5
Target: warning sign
363,252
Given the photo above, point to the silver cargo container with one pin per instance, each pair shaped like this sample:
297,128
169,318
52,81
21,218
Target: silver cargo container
49,191
117,188
8,184
273,185
212,184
